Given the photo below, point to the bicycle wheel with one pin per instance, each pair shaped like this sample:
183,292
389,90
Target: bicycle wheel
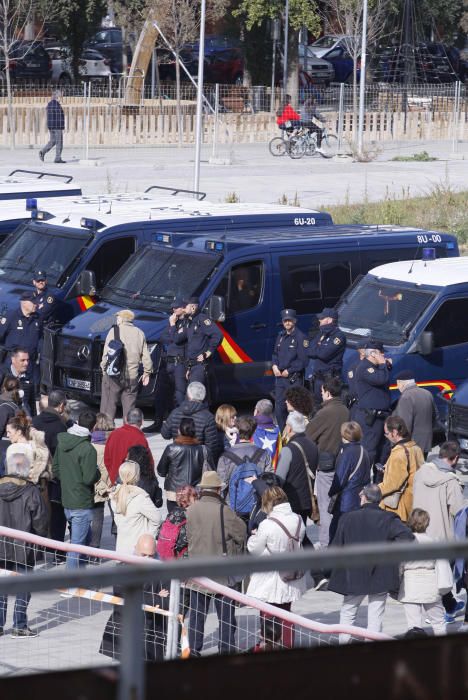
311,147
297,147
329,147
278,146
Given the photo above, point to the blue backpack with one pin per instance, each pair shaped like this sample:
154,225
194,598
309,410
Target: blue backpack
115,358
241,494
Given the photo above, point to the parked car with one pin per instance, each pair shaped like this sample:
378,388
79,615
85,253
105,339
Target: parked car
318,70
92,65
223,63
431,63
343,63
328,42
108,41
27,61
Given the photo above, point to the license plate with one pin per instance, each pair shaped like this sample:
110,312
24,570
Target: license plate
83,384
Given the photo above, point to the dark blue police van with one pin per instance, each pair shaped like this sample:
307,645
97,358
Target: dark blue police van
81,243
305,268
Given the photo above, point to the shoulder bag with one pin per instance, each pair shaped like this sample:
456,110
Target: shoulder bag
294,544
336,496
315,513
393,499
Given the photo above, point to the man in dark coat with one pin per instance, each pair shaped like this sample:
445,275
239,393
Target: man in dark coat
56,126
368,524
21,508
194,407
416,407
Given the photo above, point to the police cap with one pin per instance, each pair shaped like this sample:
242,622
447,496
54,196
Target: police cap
40,275
178,303
374,345
288,315
28,296
361,344
194,300
328,313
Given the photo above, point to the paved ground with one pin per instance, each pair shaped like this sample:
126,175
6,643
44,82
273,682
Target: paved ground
255,175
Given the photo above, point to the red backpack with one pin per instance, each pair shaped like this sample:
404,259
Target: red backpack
167,540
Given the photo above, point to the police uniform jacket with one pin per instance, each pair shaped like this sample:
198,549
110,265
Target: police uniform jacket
351,378
202,336
327,349
46,304
175,339
372,386
290,351
18,330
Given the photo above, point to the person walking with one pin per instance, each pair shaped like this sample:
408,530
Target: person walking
416,407
75,466
56,126
352,473
121,384
405,459
213,529
21,508
419,590
121,440
368,524
274,536
288,362
183,462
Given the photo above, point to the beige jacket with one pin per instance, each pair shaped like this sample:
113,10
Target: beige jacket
37,453
136,350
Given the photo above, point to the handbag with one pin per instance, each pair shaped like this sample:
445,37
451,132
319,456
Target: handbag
315,512
444,576
393,499
334,499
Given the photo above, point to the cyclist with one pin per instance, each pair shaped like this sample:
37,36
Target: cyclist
287,117
309,117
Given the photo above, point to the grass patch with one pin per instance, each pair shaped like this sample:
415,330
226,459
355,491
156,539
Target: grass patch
442,209
422,157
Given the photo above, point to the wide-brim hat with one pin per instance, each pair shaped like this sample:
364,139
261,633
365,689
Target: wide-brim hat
210,480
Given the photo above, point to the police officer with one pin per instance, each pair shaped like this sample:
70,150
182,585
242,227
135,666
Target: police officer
351,377
46,303
373,398
203,337
288,362
22,327
171,379
327,350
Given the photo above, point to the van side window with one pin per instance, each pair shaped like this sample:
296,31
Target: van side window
449,325
308,287
109,258
241,287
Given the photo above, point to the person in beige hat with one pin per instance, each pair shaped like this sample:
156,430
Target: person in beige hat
213,529
124,386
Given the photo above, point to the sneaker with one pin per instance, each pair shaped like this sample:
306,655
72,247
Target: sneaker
23,632
450,618
41,156
153,428
60,161
1,632
322,585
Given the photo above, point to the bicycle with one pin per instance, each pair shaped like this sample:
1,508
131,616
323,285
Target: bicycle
280,145
305,143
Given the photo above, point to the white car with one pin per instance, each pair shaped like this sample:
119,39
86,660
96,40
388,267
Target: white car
317,69
328,42
92,65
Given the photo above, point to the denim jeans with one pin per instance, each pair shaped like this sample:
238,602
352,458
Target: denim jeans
80,525
20,620
225,610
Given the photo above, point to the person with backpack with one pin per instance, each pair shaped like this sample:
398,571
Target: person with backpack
281,531
183,462
124,350
240,462
172,540
267,434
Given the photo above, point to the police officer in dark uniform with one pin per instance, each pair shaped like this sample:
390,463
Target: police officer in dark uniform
172,382
327,350
373,398
46,303
351,379
289,361
203,337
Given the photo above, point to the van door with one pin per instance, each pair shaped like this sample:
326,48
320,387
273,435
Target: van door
244,353
110,257
447,364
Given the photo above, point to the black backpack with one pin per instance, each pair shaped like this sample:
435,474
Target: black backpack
115,358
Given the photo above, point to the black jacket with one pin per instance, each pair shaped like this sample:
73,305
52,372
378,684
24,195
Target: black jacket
205,426
368,524
296,485
152,488
182,463
8,409
52,425
21,508
55,115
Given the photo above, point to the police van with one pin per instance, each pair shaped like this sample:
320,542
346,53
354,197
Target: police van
303,268
22,185
419,311
81,243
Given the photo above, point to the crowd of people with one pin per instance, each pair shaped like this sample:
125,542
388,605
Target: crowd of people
341,459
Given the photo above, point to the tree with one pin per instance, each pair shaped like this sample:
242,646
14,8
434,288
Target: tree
76,20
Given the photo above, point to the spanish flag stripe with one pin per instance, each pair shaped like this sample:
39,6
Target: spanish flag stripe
85,302
443,384
232,352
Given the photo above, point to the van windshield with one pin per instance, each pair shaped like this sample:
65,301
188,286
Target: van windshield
384,311
154,277
35,247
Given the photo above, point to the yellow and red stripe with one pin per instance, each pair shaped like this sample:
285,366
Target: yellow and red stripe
445,385
85,302
229,350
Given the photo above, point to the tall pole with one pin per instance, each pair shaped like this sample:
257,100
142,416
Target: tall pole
199,117
362,81
286,38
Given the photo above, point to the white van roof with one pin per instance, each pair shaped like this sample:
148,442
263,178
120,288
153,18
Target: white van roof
432,273
20,184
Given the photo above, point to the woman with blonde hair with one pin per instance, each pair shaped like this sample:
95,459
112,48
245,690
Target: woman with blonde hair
134,512
101,431
281,531
228,434
27,440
